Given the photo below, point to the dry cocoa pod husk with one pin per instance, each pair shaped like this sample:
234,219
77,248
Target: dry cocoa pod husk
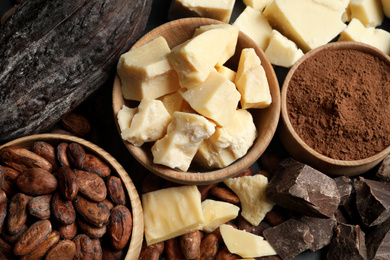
84,247
17,212
10,173
120,226
91,185
36,181
95,213
173,250
47,151
224,254
3,214
93,164
205,189
67,183
190,244
62,156
64,250
43,248
224,194
39,206
115,190
76,155
12,239
208,247
76,124
149,253
62,210
68,231
21,159
36,234
97,249
89,230
111,254
6,249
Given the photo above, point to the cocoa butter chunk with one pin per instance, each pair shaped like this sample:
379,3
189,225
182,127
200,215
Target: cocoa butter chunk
383,172
321,229
348,242
290,238
372,201
301,188
378,241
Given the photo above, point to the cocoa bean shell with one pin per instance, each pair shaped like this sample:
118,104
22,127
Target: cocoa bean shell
39,206
43,248
84,247
47,151
94,164
91,185
67,183
120,227
62,210
17,213
95,213
64,250
76,155
116,191
36,181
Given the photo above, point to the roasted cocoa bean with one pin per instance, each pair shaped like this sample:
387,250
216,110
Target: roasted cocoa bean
21,159
116,191
64,250
84,247
43,248
225,194
243,224
67,183
91,185
76,155
47,151
33,237
108,203
62,155
17,213
76,124
2,177
173,250
246,172
12,239
95,213
62,210
120,227
149,253
208,247
111,254
93,164
224,254
40,206
36,181
205,189
91,231
190,244
150,183
68,231
3,214
6,249
10,173
97,249
3,196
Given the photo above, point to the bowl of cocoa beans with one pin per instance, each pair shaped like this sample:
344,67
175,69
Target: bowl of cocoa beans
63,197
335,109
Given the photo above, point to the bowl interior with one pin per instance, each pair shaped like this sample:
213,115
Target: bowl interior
135,202
266,120
303,152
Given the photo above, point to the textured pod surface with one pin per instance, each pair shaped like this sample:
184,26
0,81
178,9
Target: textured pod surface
61,52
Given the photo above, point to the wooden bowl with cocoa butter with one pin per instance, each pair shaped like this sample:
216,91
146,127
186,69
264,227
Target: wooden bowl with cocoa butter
335,108
266,119
31,152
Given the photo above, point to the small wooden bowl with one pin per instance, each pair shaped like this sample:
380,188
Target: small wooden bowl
266,120
135,202
299,150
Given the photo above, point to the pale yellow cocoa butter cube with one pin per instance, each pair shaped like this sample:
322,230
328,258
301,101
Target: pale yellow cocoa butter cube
281,51
357,32
309,23
251,191
217,213
217,9
175,102
369,12
184,135
124,116
231,46
227,72
258,5
194,59
255,25
145,72
148,124
386,7
210,156
346,16
171,212
248,60
245,244
216,98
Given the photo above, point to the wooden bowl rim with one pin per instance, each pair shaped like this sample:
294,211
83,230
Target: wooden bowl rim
284,115
216,175
136,238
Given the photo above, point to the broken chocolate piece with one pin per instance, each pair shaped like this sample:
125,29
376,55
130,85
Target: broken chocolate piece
383,173
289,238
345,186
378,241
372,201
301,188
348,243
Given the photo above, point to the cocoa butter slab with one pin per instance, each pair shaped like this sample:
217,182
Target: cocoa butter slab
303,189
378,241
321,229
348,242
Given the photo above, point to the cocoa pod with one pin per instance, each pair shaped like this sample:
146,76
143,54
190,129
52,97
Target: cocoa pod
120,227
190,244
91,185
36,181
43,248
17,213
95,213
173,250
6,250
39,206
47,151
149,253
12,239
61,35
224,254
10,173
62,210
64,250
67,183
36,234
91,231
76,155
95,165
84,247
116,191
62,155
208,247
97,250
76,124
21,159
225,194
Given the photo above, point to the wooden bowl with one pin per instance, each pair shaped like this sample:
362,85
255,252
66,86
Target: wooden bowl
266,120
135,202
302,152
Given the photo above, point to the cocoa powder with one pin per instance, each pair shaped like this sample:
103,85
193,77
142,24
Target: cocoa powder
338,103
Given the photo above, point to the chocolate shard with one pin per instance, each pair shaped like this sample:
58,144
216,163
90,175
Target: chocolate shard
378,241
347,206
345,186
372,201
383,172
321,229
289,238
348,242
303,189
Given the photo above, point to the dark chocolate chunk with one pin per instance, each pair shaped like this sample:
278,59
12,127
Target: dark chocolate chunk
372,201
301,188
345,186
378,241
383,173
348,242
321,229
289,238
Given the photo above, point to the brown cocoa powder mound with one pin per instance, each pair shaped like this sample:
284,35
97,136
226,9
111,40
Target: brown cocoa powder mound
338,103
